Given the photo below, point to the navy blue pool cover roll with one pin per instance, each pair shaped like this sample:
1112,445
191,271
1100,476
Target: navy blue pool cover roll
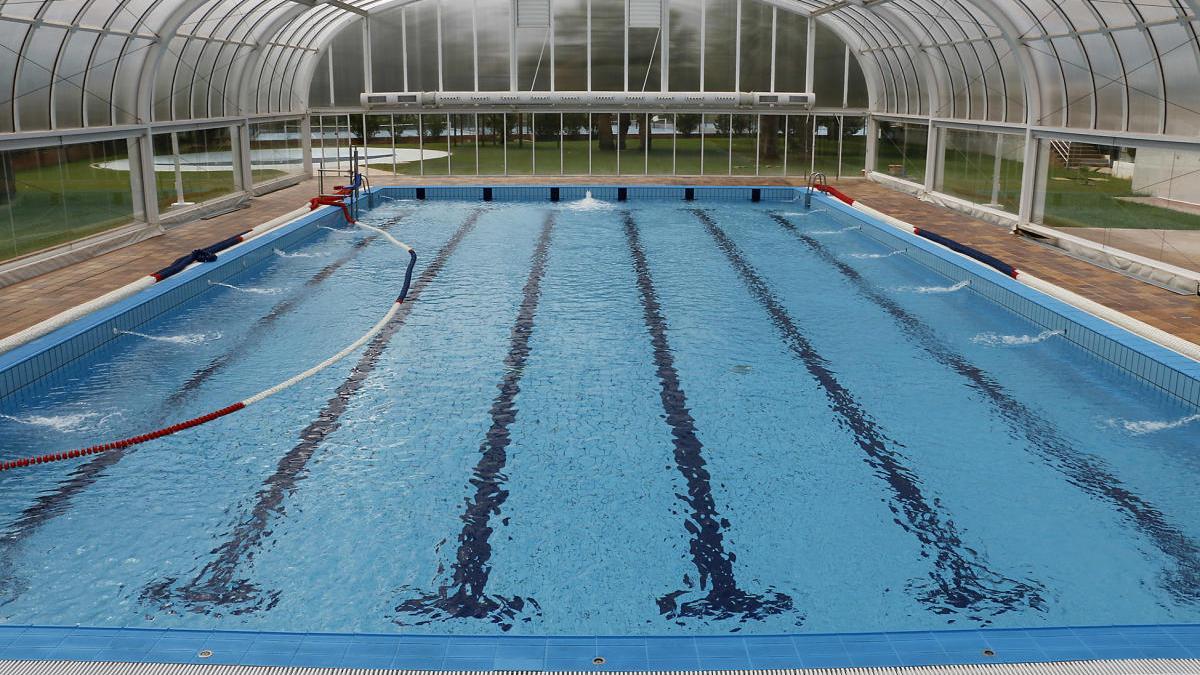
989,260
206,254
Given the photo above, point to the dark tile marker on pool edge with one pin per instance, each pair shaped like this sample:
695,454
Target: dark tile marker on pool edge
1086,472
723,598
217,586
51,505
465,596
960,579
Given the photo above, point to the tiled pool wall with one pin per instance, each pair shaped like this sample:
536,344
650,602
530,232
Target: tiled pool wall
1173,373
579,654
50,354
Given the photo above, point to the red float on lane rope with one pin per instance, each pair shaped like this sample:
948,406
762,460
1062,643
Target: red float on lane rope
124,443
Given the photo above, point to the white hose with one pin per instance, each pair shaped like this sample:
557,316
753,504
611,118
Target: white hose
66,317
351,348
327,362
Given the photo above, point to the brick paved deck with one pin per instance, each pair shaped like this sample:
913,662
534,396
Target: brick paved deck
31,301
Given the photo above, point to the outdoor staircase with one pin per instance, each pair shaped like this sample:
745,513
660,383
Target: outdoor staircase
1077,155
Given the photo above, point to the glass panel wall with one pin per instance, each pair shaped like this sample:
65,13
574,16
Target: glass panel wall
379,149
633,143
827,134
1142,200
526,143
798,160
491,144
193,166
688,156
854,145
435,151
332,140
275,150
716,145
576,136
463,154
770,145
50,196
519,149
660,155
547,144
405,134
900,150
744,148
983,167
604,144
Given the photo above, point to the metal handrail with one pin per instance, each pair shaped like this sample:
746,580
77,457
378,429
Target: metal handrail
812,185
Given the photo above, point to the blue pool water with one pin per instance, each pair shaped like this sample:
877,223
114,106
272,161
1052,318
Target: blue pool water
602,419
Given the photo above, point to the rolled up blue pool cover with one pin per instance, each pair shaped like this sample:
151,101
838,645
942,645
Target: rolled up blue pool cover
990,261
206,254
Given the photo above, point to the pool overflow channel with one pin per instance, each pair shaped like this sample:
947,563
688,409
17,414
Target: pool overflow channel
961,581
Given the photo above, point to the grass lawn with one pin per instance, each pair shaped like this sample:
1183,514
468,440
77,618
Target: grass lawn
1084,198
1074,197
59,203
56,204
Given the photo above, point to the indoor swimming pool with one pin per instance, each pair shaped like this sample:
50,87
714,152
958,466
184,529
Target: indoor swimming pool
644,418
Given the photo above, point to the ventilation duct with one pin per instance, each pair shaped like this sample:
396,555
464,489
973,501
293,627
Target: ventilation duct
582,100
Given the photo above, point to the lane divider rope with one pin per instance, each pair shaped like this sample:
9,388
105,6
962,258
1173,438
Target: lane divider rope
265,393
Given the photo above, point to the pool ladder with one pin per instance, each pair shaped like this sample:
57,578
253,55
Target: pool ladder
812,186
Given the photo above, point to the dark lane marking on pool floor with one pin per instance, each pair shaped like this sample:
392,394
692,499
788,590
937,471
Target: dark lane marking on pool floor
466,595
723,598
961,580
49,506
217,585
1088,473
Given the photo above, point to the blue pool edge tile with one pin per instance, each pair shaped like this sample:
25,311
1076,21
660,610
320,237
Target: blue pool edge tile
599,653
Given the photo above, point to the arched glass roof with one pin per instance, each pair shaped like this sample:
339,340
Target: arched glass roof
1119,65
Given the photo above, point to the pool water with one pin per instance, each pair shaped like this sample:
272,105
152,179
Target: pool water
648,418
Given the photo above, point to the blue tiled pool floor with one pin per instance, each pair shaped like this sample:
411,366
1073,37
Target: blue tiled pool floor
410,652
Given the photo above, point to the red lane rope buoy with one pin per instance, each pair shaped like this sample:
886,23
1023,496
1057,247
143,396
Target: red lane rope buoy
123,443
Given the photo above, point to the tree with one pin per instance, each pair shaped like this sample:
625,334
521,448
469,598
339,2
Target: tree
435,126
768,146
364,133
687,124
604,134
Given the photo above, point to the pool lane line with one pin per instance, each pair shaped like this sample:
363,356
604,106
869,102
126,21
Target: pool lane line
51,505
723,597
465,595
960,581
216,588
1086,472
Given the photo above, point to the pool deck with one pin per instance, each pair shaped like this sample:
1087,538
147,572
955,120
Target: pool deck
29,302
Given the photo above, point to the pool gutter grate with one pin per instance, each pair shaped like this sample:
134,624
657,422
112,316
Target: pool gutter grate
1113,667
